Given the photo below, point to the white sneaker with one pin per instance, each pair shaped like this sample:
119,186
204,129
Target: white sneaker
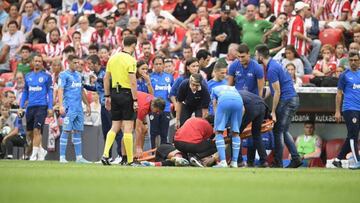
81,160
117,160
63,160
233,164
41,154
221,164
33,157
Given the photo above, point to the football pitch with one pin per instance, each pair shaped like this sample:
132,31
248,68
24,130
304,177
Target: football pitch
51,182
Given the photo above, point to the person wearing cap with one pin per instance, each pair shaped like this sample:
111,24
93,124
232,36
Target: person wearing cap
252,30
225,31
297,35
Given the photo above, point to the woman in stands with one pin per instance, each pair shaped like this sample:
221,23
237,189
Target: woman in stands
13,16
291,56
291,69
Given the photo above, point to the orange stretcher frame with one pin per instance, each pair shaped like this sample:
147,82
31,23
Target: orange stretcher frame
267,126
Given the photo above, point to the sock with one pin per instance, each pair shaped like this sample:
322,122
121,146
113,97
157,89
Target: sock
235,148
128,142
354,152
220,146
63,142
76,139
110,137
35,151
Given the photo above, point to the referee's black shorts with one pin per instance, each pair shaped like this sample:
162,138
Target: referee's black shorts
122,105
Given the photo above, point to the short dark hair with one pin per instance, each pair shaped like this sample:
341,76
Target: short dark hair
353,53
104,47
76,32
69,49
55,30
219,65
51,18
94,59
122,2
263,50
196,77
7,92
26,47
94,46
243,48
158,103
158,57
110,18
100,21
202,54
145,43
130,40
72,57
188,63
13,22
139,29
124,30
29,2
310,122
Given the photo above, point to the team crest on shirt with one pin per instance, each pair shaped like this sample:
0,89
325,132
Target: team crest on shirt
354,120
167,79
151,117
41,79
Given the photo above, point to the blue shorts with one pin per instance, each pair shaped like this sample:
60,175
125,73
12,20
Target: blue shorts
74,121
229,111
35,117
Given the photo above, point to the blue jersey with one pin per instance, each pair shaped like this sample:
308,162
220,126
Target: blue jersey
175,88
99,85
246,78
71,83
349,83
225,92
38,90
141,85
275,72
211,85
161,83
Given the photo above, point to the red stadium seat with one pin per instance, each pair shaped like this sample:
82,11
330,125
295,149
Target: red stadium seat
333,148
306,78
6,77
39,48
331,36
13,65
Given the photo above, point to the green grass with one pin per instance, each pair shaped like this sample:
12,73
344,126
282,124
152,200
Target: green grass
51,182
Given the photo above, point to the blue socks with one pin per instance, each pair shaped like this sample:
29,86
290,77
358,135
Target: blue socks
63,142
76,139
220,146
235,148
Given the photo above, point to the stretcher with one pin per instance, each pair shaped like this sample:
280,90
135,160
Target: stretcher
267,126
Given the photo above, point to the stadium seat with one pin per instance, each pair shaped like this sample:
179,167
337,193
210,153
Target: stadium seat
333,148
331,36
306,78
6,77
13,65
39,48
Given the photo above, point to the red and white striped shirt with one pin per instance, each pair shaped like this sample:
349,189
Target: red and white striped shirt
317,4
138,10
63,32
80,51
116,39
101,40
52,50
278,6
331,65
159,39
355,8
340,6
297,25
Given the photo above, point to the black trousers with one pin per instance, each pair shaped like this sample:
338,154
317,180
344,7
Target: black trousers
256,117
353,127
17,141
159,125
186,113
202,149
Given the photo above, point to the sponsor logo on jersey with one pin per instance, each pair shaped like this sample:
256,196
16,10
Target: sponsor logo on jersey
76,84
35,88
356,86
159,87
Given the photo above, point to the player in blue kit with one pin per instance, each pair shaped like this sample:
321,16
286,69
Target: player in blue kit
38,91
245,73
349,88
219,79
71,94
161,83
228,108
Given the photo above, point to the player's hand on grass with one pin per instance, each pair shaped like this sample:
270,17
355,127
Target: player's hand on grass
108,103
337,116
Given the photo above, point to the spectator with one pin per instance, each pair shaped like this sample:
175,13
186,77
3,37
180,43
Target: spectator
176,36
141,33
196,40
341,10
291,68
81,8
14,38
292,56
276,37
231,55
297,35
102,35
4,56
147,54
225,31
137,9
9,100
185,11
19,84
93,49
14,15
134,22
28,17
245,73
103,9
169,67
265,12
3,14
192,97
143,78
85,30
206,67
115,31
339,53
203,13
309,144
325,67
353,47
80,50
121,14
312,31
10,121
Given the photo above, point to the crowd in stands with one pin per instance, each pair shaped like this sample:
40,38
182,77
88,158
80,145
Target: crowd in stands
311,40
